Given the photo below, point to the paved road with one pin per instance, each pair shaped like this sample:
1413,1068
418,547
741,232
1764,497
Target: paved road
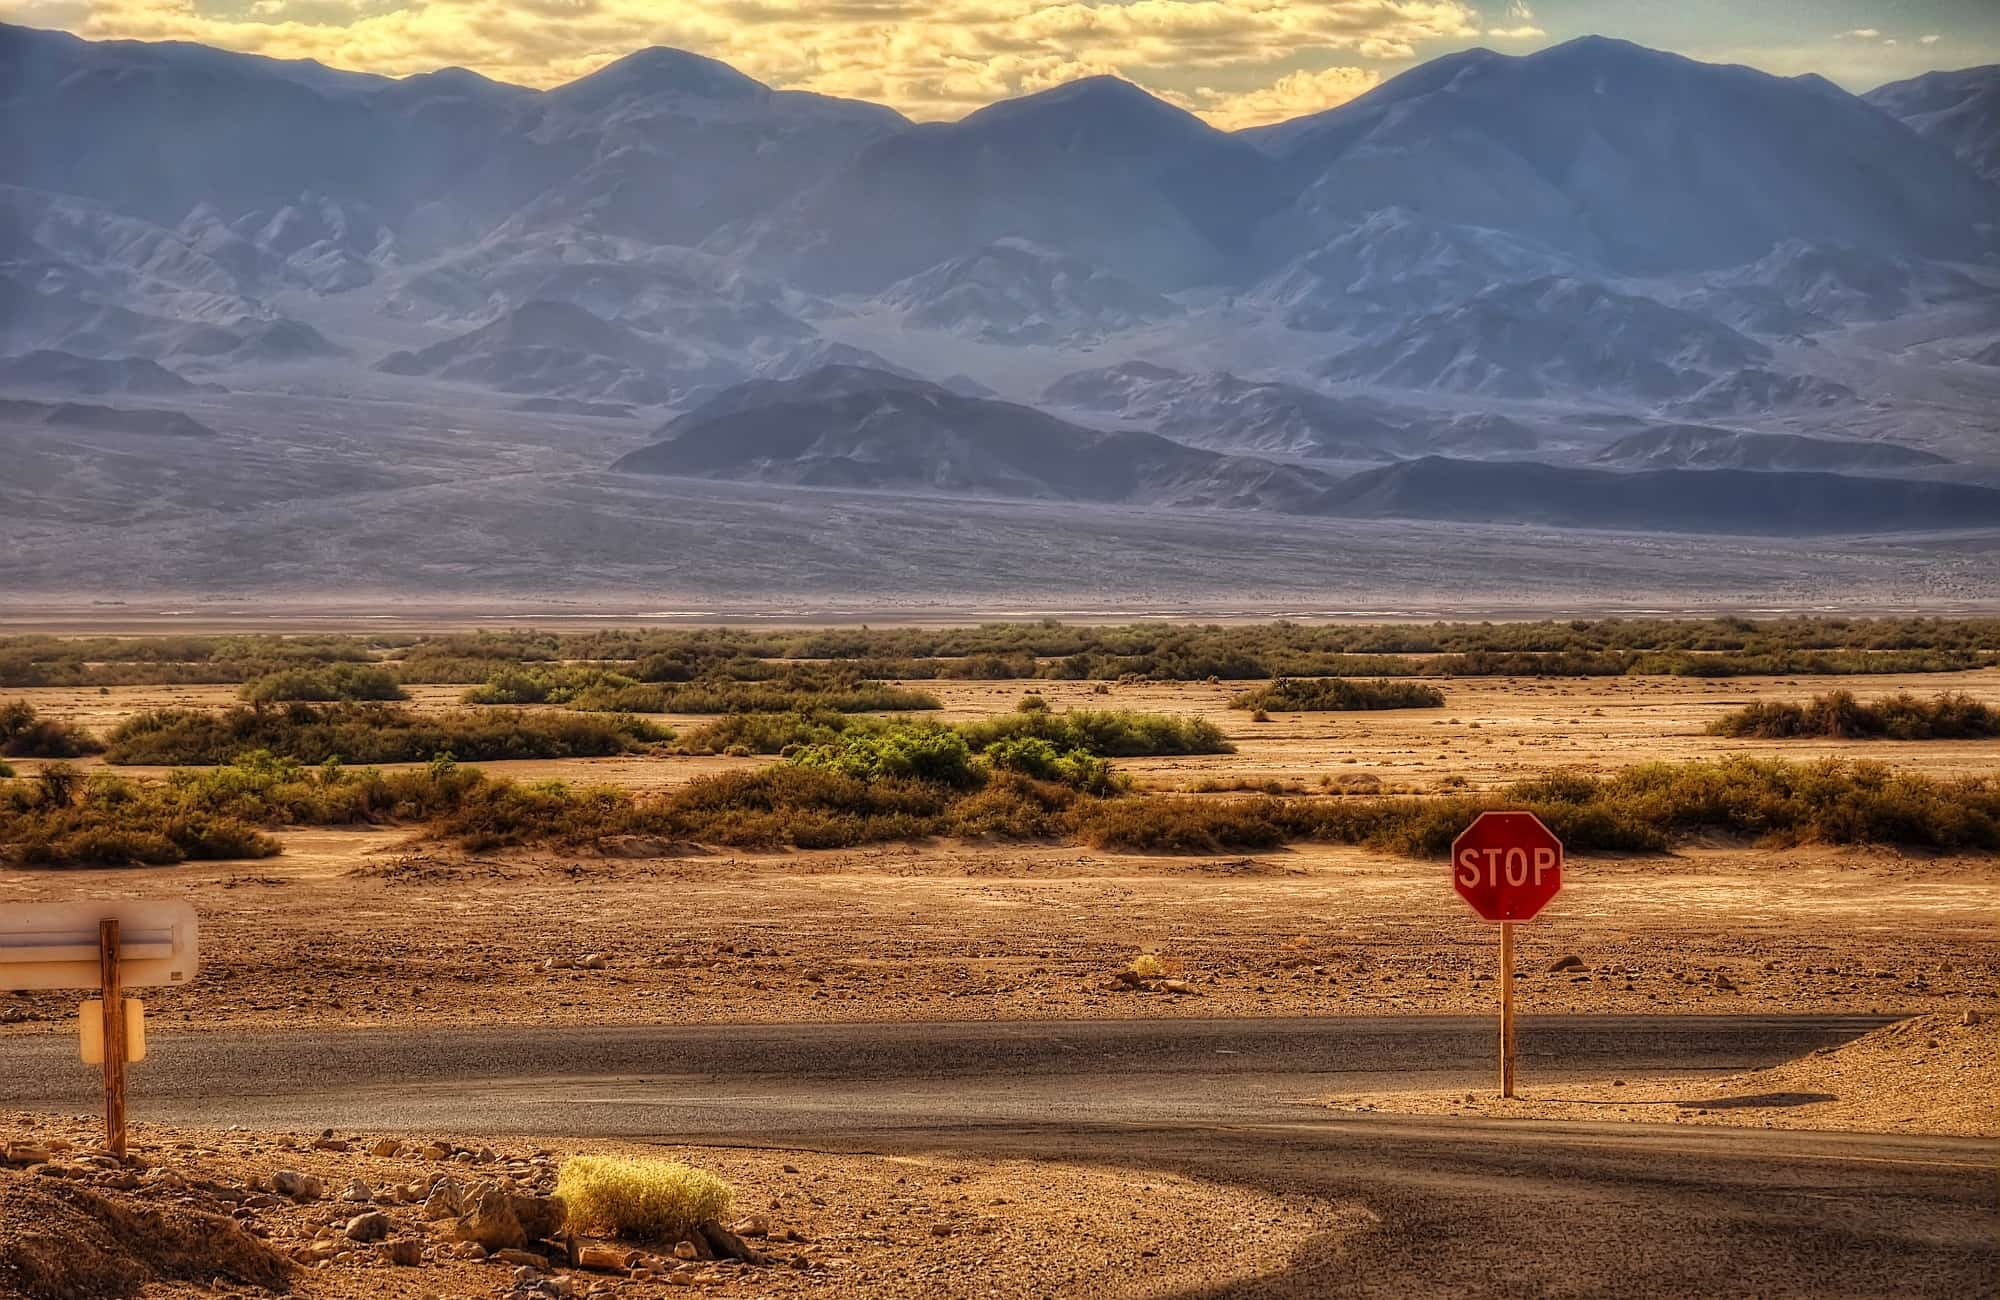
1467,1207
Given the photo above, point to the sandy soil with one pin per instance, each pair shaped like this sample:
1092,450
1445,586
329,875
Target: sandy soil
361,928
1928,1074
834,1225
1492,730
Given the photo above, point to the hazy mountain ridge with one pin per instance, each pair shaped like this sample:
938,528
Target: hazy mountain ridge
91,416
1696,446
1566,147
1960,110
1669,500
842,426
1226,412
1461,261
1554,334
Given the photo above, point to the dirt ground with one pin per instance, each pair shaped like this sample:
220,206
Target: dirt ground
832,1225
1928,1074
359,928
370,927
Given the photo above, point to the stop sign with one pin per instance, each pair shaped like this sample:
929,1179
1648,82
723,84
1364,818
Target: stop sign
1507,865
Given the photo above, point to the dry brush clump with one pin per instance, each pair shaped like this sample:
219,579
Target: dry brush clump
1839,715
371,733
1331,694
636,1198
338,681
917,786
25,734
64,817
1049,650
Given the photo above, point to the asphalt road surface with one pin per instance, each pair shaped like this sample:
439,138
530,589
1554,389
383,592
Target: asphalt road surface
1466,1207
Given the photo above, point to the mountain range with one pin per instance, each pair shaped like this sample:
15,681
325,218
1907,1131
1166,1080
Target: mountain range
1598,269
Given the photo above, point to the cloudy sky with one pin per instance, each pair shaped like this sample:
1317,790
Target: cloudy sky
1237,62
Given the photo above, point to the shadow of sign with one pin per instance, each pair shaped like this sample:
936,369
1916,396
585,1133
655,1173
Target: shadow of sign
1758,1101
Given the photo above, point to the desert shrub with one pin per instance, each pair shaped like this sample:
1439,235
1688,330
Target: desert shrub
1107,734
638,1198
581,686
801,805
787,697
1840,715
341,681
920,753
1322,694
510,686
769,733
1721,647
1014,806
23,734
1181,825
116,823
1040,760
370,733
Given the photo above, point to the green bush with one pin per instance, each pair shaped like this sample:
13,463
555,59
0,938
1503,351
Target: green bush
770,733
1103,733
1326,694
25,735
370,733
1040,760
1840,715
934,754
342,681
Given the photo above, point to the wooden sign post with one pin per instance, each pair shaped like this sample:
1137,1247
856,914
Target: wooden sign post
109,946
114,1036
1507,865
1506,1008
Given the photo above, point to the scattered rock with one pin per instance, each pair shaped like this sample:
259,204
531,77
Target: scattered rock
501,1220
1569,961
1723,982
520,1258
292,1184
1181,987
372,1226
595,961
358,1191
403,1252
386,1148
1971,1018
445,1201
491,1221
605,1259
27,1153
727,1245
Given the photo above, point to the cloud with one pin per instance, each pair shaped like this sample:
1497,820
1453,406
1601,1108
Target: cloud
930,58
1857,34
1293,95
1931,39
1524,32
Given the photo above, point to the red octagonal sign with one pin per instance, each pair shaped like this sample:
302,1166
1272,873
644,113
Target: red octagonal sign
1507,865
